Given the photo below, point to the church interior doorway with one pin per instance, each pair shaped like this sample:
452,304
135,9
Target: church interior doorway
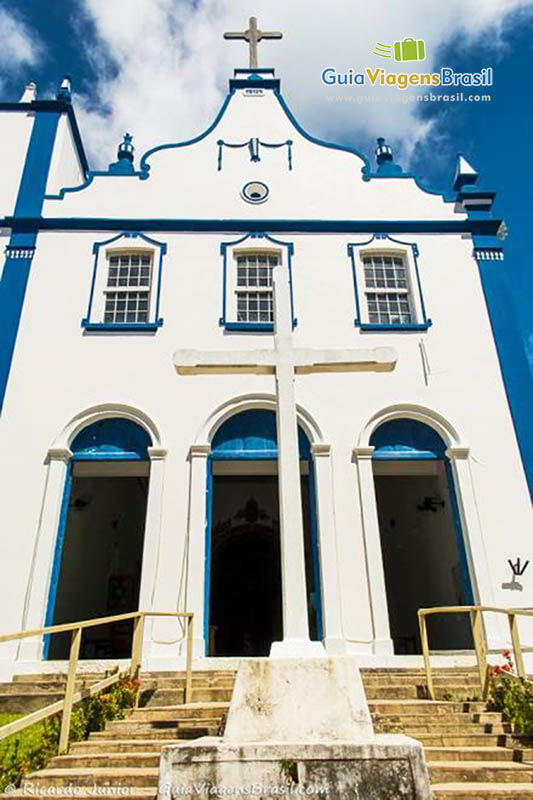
421,539
243,591
98,560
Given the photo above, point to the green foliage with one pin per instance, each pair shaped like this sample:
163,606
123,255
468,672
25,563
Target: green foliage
32,748
512,696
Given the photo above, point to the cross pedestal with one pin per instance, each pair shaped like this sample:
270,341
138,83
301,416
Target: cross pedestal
284,362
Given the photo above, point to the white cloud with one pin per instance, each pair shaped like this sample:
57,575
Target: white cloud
19,48
172,64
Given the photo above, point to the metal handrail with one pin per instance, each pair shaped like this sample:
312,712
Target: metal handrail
71,697
478,635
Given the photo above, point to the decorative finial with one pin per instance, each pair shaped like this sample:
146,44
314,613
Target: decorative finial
383,151
253,35
124,165
29,94
125,148
465,174
65,89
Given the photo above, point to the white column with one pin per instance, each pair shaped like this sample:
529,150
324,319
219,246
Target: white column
327,539
41,568
296,641
374,559
152,540
473,540
196,565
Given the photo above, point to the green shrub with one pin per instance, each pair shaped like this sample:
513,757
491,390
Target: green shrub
511,696
32,748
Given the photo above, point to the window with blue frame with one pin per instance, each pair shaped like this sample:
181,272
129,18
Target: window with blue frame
388,292
248,291
126,284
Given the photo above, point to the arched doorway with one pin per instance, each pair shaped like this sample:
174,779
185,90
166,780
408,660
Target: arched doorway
243,570
422,540
98,556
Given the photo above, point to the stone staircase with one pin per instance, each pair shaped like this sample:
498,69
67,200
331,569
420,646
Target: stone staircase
28,693
471,753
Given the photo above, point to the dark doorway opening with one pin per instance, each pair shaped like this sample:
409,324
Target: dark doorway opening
245,597
100,556
423,563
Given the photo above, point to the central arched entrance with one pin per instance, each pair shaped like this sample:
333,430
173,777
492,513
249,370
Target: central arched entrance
243,568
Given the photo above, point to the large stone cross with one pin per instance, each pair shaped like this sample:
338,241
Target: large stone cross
284,362
253,35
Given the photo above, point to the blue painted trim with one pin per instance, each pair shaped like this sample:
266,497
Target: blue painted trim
13,286
107,457
459,535
21,248
369,326
516,373
249,327
145,166
154,324
37,166
251,83
121,326
245,455
89,177
58,557
321,142
54,105
208,551
478,227
315,545
407,455
230,325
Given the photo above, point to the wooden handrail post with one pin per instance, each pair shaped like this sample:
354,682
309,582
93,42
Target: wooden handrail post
188,678
425,652
478,634
64,735
137,645
517,649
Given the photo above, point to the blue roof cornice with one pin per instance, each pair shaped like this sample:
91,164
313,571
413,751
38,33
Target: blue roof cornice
483,227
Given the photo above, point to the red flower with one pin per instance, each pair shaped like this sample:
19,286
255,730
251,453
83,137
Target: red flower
506,667
498,670
506,653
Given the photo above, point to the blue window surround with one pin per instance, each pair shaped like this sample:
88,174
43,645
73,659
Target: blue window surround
252,327
152,325
411,440
110,439
368,326
252,435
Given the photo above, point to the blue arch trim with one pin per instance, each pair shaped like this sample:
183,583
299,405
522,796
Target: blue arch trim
252,435
111,439
407,439
58,555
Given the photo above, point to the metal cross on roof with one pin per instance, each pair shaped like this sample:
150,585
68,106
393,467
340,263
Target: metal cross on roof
253,35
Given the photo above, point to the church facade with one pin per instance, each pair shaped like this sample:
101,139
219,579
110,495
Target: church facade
165,319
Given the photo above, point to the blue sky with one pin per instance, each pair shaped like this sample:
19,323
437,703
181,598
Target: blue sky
160,68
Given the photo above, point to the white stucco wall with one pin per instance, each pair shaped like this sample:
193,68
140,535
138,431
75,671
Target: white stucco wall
59,370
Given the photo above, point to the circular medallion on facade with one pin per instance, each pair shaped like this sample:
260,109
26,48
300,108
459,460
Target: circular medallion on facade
255,192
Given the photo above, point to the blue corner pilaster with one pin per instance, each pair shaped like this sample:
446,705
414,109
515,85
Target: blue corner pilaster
509,344
21,248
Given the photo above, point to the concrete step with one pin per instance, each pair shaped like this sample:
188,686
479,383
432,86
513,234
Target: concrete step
480,771
184,711
416,728
172,697
26,702
482,791
95,746
429,707
90,776
163,736
442,719
468,754
105,760
462,739
60,677
85,793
